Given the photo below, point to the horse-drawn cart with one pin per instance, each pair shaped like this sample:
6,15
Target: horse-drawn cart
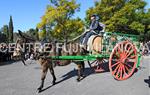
121,51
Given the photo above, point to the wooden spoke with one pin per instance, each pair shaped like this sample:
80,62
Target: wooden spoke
116,64
124,71
121,71
118,72
116,69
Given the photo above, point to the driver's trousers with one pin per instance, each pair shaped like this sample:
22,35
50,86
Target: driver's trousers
85,37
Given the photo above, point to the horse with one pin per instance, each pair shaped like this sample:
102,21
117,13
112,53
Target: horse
47,63
21,46
19,52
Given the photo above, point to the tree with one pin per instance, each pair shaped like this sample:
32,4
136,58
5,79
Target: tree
37,33
42,33
11,29
121,15
58,19
2,37
33,33
5,32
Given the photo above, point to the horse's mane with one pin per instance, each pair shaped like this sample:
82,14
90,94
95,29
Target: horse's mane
25,36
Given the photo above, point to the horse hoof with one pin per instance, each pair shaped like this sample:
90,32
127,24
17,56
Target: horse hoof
53,83
39,90
83,76
78,80
25,64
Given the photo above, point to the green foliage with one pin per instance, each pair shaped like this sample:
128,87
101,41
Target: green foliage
126,16
4,33
2,37
137,26
33,33
70,28
58,21
37,33
42,33
11,29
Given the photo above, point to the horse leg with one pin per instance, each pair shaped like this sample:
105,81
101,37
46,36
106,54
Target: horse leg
79,72
83,68
52,73
23,60
44,72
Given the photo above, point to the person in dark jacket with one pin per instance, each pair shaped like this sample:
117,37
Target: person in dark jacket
94,29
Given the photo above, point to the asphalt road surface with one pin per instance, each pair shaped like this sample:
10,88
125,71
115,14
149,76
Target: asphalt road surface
16,79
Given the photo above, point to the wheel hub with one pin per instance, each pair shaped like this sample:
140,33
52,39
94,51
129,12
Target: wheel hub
123,58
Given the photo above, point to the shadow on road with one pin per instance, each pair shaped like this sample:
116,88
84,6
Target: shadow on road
147,81
6,63
71,74
37,68
88,71
46,88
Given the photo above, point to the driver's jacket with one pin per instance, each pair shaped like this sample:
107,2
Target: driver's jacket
96,26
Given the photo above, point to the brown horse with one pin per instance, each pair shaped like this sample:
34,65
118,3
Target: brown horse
18,52
47,63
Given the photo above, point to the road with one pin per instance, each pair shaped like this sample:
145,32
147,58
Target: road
16,79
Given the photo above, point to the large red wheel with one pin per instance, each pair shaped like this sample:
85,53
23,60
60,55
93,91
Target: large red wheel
122,61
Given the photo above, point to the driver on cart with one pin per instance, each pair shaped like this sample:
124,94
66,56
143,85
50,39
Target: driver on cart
95,28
